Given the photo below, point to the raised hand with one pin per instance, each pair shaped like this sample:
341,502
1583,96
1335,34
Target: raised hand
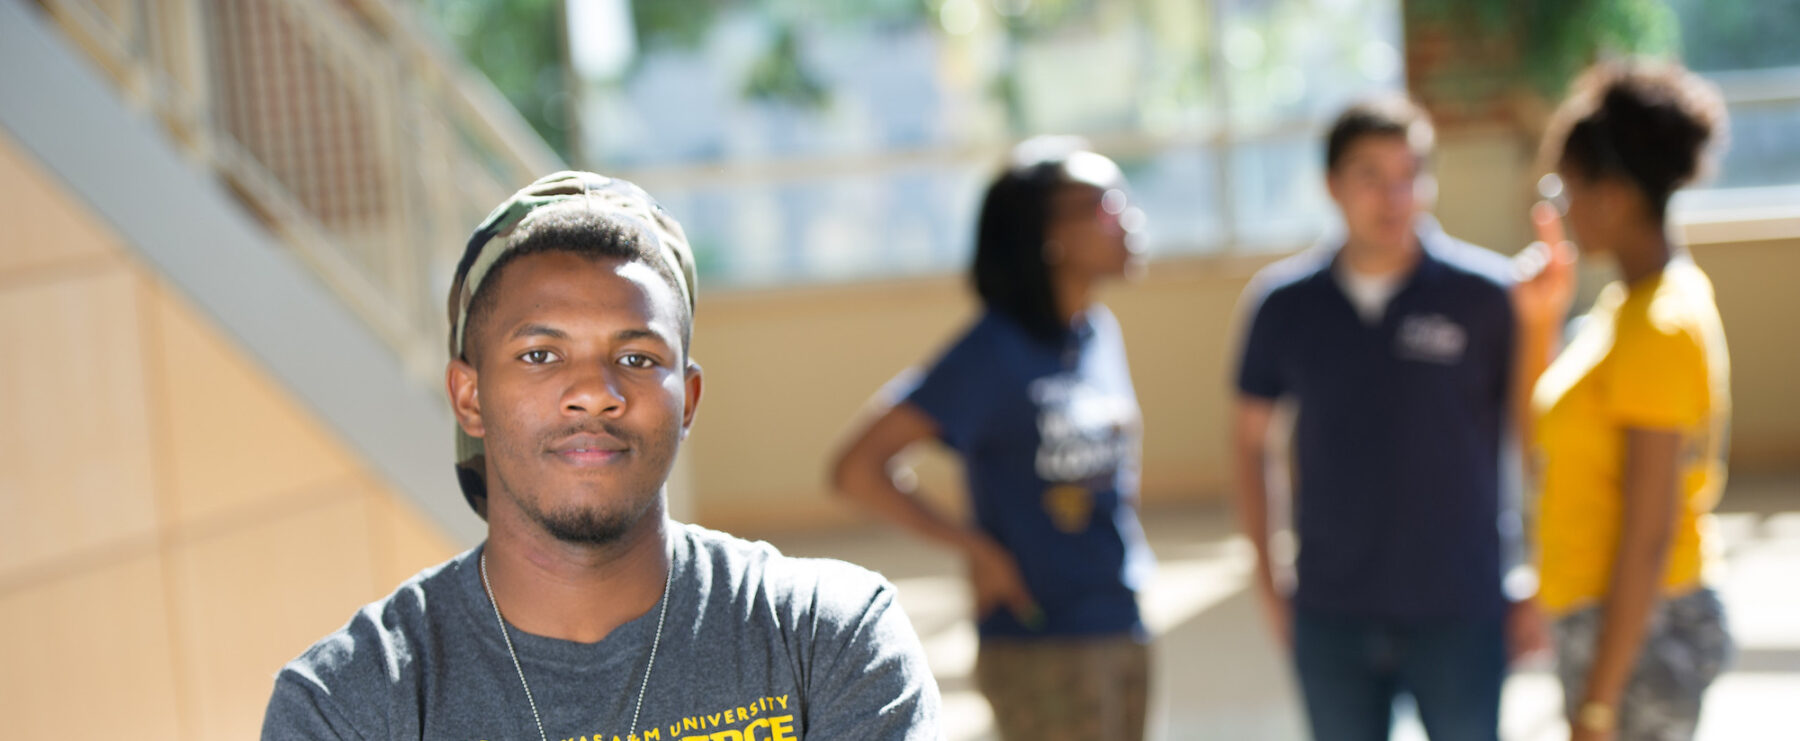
1544,272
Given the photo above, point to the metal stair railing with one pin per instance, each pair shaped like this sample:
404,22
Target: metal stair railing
355,136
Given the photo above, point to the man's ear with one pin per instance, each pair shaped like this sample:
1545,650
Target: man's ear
1425,191
692,383
465,398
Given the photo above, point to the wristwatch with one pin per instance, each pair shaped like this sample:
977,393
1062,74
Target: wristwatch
1596,716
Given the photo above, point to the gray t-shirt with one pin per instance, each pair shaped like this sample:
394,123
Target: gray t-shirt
757,646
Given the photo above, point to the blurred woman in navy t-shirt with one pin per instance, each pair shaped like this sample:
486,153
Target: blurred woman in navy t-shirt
1036,399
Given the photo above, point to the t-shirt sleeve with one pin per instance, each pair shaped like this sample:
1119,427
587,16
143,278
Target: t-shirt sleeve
303,710
1259,362
1657,373
868,678
954,391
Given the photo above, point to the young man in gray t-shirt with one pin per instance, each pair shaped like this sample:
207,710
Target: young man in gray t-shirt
587,613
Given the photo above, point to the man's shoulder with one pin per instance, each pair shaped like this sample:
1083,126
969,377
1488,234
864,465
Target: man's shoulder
340,686
859,664
827,587
1489,272
380,639
1291,275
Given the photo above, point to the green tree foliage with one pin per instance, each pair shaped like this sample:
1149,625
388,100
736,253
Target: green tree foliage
1557,38
781,76
518,45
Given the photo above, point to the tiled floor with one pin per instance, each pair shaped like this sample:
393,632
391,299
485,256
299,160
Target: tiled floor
1218,675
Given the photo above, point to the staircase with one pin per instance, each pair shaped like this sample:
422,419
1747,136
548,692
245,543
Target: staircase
307,171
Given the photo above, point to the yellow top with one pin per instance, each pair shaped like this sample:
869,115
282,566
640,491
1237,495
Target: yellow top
1648,356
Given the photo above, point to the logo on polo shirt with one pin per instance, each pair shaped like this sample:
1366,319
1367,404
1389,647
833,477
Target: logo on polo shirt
1430,338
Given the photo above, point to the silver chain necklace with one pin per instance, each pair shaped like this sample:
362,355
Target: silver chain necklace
504,636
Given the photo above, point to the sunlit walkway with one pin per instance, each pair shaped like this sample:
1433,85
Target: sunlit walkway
1219,677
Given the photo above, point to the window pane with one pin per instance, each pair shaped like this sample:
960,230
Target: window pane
845,227
1749,49
1765,145
1306,59
1178,190
1278,192
1749,34
804,141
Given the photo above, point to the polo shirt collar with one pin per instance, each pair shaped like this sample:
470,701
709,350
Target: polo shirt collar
1433,243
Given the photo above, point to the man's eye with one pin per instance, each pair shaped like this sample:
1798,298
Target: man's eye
638,360
537,357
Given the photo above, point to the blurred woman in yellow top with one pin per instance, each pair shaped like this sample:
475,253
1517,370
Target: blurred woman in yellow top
1628,422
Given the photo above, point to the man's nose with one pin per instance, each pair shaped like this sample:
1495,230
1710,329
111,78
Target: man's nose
594,389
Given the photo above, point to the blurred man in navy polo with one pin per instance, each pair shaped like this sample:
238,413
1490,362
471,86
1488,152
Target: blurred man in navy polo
1395,345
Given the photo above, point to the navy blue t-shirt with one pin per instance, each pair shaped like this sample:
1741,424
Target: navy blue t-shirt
1049,436
1399,429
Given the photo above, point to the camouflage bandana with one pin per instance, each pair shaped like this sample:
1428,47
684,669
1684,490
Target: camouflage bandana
615,199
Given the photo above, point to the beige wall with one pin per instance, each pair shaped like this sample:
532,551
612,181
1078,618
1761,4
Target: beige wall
1486,183
1760,305
786,371
173,527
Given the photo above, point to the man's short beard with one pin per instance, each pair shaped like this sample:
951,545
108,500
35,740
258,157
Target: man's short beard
591,526
585,527
626,502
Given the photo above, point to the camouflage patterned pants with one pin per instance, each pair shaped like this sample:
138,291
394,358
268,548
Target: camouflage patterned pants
1066,689
1685,647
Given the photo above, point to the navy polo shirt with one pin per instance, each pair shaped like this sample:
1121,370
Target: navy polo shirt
1399,430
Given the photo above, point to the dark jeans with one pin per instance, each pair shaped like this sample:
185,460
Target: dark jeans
1352,669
